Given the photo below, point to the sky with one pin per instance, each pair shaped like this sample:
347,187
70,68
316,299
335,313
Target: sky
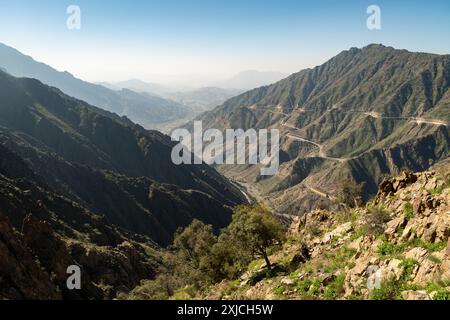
194,40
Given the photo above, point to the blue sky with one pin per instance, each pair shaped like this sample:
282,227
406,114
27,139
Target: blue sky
121,39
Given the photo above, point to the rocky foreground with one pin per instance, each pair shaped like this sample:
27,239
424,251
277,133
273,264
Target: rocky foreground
396,247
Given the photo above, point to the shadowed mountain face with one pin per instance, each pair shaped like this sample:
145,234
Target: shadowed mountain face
363,114
144,109
104,163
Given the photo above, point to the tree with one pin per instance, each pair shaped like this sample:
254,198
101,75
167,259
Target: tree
193,256
255,230
350,193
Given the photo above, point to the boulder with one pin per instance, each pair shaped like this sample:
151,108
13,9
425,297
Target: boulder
394,225
300,257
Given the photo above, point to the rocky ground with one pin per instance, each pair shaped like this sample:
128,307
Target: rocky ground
396,247
34,261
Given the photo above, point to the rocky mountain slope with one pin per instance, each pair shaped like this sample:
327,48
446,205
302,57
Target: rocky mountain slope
363,114
147,110
106,163
395,247
82,186
43,232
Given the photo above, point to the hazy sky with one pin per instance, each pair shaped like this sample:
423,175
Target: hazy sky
126,39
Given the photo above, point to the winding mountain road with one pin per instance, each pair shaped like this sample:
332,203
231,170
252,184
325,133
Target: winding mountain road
251,192
373,114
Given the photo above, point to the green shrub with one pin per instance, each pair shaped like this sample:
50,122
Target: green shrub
392,288
430,246
304,285
358,234
335,288
389,290
434,259
386,248
339,259
442,294
408,210
375,220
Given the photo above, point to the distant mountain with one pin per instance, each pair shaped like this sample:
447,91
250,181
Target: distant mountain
204,99
142,86
363,114
145,110
251,79
108,85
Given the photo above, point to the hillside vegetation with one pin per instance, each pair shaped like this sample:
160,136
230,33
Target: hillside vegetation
364,114
396,246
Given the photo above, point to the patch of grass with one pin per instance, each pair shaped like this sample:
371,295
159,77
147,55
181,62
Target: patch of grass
434,259
358,234
307,268
279,289
389,249
408,211
408,267
389,290
339,259
430,246
314,290
335,288
304,285
346,216
386,248
439,287
392,288
442,294
255,265
435,191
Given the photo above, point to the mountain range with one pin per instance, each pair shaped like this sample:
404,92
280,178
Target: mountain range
82,184
106,163
250,79
147,110
364,114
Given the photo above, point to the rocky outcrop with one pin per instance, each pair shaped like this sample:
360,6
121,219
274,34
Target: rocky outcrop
34,263
395,247
21,275
415,237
